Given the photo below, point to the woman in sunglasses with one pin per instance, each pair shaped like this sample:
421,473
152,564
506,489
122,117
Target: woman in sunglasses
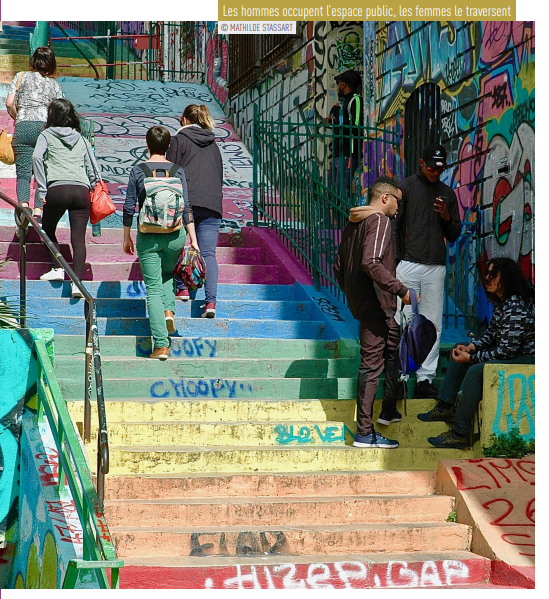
509,339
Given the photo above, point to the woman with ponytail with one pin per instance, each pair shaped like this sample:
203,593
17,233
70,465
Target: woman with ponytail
194,149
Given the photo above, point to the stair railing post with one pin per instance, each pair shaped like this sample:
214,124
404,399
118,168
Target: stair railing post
88,376
255,191
23,277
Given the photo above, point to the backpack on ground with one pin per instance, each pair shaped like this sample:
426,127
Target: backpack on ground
162,210
416,341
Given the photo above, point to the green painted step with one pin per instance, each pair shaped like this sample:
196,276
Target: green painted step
203,347
71,367
174,387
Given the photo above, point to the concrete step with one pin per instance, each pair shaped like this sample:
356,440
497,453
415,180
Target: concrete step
112,252
136,289
290,484
277,511
124,308
71,367
224,410
225,459
207,347
410,433
195,327
446,569
297,540
130,270
147,410
209,388
110,236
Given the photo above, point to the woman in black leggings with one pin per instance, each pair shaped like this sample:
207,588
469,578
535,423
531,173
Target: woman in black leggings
65,169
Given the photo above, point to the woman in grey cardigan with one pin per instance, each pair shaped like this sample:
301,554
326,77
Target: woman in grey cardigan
65,170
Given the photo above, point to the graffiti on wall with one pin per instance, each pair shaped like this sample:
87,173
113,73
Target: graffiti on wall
485,71
503,492
516,403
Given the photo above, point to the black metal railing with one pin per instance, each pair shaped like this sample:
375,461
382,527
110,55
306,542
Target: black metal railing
93,356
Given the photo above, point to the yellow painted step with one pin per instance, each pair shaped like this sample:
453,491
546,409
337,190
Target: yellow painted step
170,460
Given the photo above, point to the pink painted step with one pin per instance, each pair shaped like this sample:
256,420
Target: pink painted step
259,274
112,252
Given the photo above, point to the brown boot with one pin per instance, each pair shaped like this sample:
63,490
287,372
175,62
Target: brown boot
160,353
170,322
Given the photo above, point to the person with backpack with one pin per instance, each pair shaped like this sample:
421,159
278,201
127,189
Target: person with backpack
165,219
29,96
365,270
65,170
194,149
509,339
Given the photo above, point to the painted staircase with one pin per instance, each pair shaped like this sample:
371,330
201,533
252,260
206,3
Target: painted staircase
239,446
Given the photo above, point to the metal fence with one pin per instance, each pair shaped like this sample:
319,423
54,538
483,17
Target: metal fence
304,186
304,189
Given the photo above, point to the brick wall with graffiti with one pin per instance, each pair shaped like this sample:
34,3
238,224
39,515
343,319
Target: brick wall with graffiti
485,71
301,86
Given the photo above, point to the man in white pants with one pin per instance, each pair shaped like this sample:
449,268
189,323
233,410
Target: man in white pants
427,217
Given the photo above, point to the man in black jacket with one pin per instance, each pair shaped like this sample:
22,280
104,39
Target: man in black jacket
365,270
427,218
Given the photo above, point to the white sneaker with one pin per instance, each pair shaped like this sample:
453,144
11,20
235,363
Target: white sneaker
55,274
75,291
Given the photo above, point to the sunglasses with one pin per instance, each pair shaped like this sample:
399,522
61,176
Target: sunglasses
396,197
435,169
490,275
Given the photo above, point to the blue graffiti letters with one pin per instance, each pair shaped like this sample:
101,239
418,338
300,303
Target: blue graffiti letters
186,388
332,434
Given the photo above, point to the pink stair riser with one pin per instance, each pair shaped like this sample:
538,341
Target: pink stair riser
103,252
263,274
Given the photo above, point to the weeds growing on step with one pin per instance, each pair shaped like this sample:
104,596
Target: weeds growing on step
508,445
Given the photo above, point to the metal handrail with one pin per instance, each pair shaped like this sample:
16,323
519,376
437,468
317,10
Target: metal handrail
92,338
80,51
98,549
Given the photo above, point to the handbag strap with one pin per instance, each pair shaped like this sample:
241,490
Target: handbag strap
19,82
97,173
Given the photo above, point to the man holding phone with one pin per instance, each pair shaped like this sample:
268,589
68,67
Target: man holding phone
428,217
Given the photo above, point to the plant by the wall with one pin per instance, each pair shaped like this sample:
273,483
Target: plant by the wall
509,445
452,516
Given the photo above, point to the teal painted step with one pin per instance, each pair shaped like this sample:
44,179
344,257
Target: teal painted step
136,289
172,387
71,367
218,327
242,308
206,347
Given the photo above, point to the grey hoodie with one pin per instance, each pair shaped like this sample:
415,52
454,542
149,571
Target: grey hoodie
63,157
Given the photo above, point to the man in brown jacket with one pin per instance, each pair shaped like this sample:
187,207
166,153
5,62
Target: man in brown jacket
365,269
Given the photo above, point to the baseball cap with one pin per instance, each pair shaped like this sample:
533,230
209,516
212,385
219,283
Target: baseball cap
434,155
350,77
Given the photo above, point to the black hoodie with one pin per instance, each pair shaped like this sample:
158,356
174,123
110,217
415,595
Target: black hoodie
194,149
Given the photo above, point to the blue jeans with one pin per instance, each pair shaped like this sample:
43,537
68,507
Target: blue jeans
207,224
472,377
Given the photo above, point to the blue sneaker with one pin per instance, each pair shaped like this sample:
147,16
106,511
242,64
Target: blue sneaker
374,440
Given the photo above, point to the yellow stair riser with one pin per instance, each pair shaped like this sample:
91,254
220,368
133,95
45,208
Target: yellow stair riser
260,434
151,460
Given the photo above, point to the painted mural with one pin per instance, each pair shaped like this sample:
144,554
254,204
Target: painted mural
50,533
486,74
17,389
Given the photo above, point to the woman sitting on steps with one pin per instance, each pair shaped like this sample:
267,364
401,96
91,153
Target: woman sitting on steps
509,339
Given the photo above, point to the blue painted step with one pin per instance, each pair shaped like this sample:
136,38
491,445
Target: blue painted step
136,289
125,308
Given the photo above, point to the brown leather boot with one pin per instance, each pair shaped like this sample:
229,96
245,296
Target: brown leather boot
170,322
160,353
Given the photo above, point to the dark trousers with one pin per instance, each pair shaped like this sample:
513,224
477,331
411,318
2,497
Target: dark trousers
379,339
472,377
75,199
207,224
